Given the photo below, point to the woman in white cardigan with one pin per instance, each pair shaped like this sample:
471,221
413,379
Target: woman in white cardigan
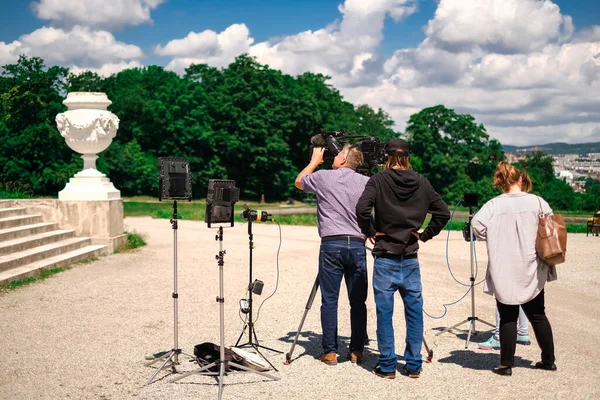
515,275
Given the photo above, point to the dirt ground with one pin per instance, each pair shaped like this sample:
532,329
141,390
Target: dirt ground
84,333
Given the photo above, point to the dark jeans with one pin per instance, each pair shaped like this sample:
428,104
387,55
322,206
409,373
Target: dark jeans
337,259
534,309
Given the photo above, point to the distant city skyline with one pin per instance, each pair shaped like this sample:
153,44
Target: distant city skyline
529,70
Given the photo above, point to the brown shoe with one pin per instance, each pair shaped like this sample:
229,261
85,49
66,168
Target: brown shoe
329,359
355,356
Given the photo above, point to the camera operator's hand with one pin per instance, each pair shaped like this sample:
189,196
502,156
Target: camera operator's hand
315,161
317,156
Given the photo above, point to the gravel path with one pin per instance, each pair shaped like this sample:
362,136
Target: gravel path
83,333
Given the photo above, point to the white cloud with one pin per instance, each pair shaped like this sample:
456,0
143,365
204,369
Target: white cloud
519,79
217,49
96,13
9,52
345,50
108,68
516,65
501,26
591,34
79,46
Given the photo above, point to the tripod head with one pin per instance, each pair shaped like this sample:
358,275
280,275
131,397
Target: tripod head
470,200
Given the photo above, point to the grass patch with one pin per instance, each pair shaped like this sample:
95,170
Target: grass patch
134,240
44,274
576,228
15,190
194,211
297,219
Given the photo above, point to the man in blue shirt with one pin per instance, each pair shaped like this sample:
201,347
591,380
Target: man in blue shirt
342,252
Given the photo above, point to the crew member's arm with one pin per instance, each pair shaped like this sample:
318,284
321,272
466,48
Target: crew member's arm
439,217
315,161
364,207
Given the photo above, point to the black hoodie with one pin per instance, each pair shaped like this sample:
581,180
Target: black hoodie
402,199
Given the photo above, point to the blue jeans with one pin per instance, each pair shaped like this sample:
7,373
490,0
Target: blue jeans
391,275
337,259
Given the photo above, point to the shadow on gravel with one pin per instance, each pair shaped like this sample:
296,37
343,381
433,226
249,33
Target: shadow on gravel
479,336
309,341
480,361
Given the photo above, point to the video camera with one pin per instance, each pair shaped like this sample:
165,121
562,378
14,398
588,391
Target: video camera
334,141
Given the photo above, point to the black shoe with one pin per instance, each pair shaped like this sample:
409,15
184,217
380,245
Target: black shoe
541,365
504,371
386,375
404,371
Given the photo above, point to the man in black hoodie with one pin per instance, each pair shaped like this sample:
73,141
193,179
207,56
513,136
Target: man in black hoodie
402,199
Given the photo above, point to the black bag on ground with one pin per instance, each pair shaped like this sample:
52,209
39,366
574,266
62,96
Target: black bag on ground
207,353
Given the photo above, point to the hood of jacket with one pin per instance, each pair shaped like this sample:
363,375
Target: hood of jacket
403,183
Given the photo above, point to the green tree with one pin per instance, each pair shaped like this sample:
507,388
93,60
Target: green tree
31,97
453,152
246,122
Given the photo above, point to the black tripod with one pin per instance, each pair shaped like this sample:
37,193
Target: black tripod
473,318
311,298
220,363
252,339
171,358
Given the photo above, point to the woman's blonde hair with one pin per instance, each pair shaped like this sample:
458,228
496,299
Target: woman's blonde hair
507,175
398,159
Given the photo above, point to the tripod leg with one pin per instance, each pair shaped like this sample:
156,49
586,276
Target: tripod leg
158,359
471,330
452,327
428,350
162,366
241,335
264,358
311,298
221,373
257,344
202,371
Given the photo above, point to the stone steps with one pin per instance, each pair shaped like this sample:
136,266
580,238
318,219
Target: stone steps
40,239
29,245
26,230
19,220
57,261
28,256
12,212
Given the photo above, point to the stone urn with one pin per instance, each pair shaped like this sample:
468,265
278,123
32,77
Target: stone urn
88,128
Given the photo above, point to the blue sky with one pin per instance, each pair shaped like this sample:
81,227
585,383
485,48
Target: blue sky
527,69
264,18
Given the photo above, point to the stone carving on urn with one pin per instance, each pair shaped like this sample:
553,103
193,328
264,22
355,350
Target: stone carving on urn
88,128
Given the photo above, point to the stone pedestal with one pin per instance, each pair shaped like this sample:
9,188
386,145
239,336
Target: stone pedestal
100,220
89,184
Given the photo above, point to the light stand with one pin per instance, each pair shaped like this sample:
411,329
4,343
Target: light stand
252,339
473,318
311,298
171,358
205,370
